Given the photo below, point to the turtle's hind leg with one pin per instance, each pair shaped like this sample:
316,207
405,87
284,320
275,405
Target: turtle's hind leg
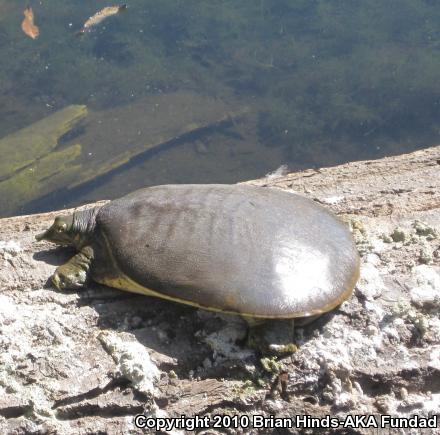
74,273
271,337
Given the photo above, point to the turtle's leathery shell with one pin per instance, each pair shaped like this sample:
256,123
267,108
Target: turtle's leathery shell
255,251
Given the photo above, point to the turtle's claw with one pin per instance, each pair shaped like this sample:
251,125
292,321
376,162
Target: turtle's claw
274,337
62,281
57,281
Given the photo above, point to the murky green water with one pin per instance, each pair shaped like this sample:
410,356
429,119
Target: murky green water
210,91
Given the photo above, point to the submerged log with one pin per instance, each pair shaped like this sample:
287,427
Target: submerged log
80,362
31,165
102,142
22,148
114,136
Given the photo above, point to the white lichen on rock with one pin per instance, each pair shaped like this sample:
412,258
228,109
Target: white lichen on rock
425,230
363,241
370,283
10,248
223,342
332,200
427,286
133,360
425,253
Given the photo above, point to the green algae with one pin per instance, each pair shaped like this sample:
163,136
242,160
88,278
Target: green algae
31,166
39,178
271,365
23,148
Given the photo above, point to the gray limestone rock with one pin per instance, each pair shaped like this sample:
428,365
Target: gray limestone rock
89,361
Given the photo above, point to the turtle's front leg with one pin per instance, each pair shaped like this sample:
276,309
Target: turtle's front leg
74,273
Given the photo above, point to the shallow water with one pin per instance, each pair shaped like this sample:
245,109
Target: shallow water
240,88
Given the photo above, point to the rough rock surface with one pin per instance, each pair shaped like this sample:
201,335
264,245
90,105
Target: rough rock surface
89,361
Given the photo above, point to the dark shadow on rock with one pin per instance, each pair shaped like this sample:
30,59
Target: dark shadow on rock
56,256
166,328
173,333
319,322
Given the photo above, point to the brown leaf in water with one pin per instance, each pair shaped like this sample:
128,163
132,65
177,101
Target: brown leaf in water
27,25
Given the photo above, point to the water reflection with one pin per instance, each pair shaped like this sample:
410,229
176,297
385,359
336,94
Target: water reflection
321,83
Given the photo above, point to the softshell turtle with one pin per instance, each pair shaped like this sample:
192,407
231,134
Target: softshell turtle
253,251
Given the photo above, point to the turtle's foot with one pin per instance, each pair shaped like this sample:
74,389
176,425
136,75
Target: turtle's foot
273,337
73,274
68,277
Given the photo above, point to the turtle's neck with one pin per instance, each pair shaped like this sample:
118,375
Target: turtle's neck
83,225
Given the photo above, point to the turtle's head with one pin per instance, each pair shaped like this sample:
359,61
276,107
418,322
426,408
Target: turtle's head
60,231
73,230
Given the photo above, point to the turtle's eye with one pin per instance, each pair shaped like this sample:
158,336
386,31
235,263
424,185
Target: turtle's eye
62,227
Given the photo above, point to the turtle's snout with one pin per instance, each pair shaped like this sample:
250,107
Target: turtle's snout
59,232
46,235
